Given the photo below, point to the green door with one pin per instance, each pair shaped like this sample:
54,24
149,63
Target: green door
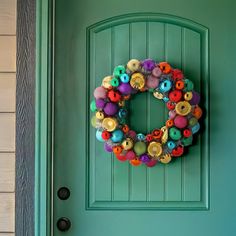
193,195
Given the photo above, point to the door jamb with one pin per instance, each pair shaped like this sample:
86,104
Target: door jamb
44,116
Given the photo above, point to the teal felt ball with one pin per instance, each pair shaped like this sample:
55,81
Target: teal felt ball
99,135
117,136
175,133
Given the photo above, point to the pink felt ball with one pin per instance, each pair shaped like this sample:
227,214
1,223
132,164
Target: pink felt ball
180,122
152,82
110,109
130,155
156,72
125,88
151,163
172,114
100,92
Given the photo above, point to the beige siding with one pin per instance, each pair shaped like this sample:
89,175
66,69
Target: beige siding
7,116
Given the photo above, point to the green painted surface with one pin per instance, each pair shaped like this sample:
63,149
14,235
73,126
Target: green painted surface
112,198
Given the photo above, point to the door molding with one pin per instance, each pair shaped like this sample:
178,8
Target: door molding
44,115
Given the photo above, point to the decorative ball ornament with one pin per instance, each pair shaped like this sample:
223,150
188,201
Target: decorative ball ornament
111,113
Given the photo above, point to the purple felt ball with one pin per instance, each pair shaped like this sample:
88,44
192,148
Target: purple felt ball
100,103
195,99
125,88
148,64
110,109
144,158
107,147
152,82
100,92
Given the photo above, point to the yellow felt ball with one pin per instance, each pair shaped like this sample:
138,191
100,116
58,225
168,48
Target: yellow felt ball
183,108
94,121
154,149
109,124
133,65
106,82
127,144
99,115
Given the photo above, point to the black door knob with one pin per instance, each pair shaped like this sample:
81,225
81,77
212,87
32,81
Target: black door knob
63,224
63,193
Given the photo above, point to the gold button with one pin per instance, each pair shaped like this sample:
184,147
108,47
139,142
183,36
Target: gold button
137,81
183,108
109,124
158,95
154,149
166,158
106,82
99,115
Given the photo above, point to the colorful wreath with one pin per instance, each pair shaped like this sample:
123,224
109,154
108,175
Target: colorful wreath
167,84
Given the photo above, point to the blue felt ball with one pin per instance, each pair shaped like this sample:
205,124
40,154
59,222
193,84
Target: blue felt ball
195,128
124,78
165,86
99,135
117,136
171,145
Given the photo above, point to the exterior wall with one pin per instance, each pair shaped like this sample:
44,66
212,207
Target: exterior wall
7,115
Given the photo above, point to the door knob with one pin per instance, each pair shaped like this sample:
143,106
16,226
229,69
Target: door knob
63,224
63,193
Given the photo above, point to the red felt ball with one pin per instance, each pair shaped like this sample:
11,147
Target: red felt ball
114,96
105,135
175,96
187,133
121,157
170,105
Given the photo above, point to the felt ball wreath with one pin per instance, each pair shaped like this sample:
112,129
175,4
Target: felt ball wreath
111,112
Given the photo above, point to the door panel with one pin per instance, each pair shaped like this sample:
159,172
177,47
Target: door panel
113,198
118,185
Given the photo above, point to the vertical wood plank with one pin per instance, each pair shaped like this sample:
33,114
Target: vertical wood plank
7,212
138,50
7,172
192,161
103,160
173,171
156,110
7,92
120,55
7,17
7,132
8,53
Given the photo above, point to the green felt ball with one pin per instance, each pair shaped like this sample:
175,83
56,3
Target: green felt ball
115,82
193,121
140,148
187,141
93,107
119,70
174,133
188,85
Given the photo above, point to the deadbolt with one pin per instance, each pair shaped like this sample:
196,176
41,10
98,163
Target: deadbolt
63,193
63,224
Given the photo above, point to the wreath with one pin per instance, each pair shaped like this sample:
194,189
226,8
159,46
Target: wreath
111,112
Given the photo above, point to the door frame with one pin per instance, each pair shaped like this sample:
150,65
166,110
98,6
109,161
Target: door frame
44,96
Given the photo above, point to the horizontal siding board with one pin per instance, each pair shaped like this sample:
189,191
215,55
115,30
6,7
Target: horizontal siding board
8,17
7,132
7,212
7,92
7,172
8,53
